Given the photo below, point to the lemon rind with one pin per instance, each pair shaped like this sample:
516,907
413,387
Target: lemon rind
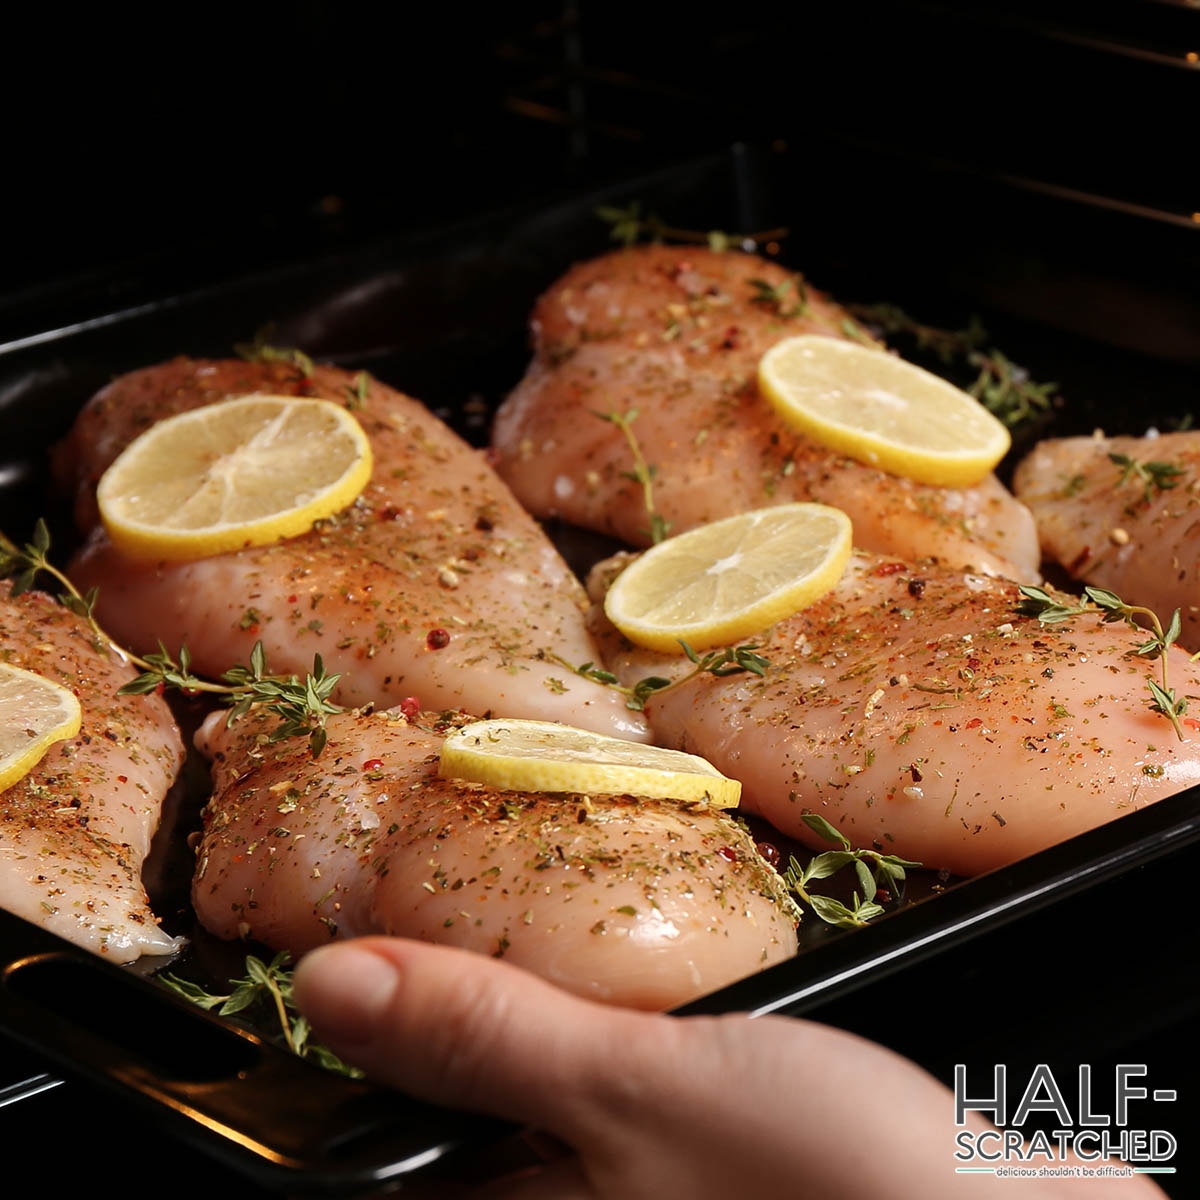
532,773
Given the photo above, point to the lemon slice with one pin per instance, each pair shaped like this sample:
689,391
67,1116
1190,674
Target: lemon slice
719,582
34,714
244,472
540,756
881,410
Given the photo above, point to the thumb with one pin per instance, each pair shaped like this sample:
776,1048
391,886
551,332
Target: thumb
458,1029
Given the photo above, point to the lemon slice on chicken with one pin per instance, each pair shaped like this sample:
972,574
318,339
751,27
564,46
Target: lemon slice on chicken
883,411
244,472
719,582
34,714
540,756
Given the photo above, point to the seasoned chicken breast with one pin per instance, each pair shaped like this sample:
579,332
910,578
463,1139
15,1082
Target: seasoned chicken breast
919,713
676,333
1130,525
433,584
74,831
636,902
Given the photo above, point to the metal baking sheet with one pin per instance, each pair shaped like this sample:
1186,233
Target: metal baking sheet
442,316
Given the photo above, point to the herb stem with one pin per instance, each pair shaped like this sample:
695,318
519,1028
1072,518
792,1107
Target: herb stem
643,473
281,1009
628,226
1037,602
732,660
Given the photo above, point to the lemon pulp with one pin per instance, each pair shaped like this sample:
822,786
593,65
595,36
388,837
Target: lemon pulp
721,582
883,411
247,471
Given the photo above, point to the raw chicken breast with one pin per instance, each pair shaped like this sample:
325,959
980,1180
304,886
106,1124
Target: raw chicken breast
915,710
636,902
433,584
676,333
1132,537
74,831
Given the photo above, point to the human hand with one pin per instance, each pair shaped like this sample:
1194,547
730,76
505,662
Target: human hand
653,1106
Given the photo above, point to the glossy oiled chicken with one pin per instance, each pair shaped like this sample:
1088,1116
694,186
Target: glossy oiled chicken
434,584
676,333
1132,529
643,903
74,831
914,709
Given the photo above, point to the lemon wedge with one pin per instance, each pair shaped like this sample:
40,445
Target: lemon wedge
540,756
34,714
244,472
881,410
720,582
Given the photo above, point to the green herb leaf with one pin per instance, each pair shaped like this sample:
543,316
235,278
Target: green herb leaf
824,830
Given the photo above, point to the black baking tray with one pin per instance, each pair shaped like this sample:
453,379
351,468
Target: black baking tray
441,315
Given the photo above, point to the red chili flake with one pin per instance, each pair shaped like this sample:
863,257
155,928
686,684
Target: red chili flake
252,628
372,764
388,514
728,853
293,598
769,851
162,687
122,778
889,568
437,639
730,341
973,663
410,706
974,722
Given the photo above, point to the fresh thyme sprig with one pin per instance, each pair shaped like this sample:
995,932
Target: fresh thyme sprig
628,226
874,872
260,350
1037,602
1154,476
775,296
357,392
1003,387
731,660
265,992
643,473
23,567
301,705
